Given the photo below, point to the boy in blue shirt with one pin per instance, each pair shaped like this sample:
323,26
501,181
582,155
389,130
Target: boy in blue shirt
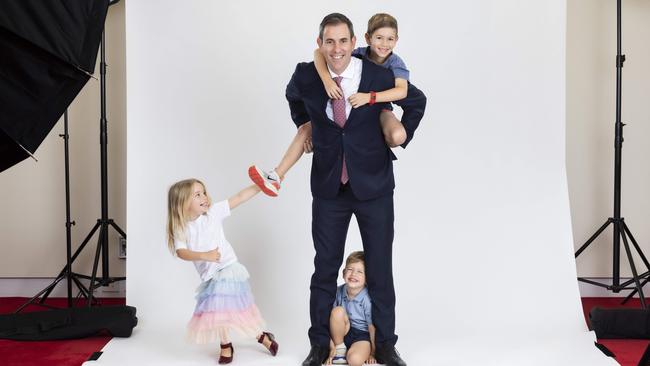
351,329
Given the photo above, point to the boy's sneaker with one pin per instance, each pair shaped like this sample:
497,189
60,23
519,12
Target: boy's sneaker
339,355
269,182
339,360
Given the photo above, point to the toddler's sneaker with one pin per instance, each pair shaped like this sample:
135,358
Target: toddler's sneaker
269,182
339,360
339,355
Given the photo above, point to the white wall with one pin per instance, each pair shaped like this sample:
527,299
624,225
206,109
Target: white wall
591,83
33,195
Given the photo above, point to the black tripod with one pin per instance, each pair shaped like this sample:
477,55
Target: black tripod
621,231
102,224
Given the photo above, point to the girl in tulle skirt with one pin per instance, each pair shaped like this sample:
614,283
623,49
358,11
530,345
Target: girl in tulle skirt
224,300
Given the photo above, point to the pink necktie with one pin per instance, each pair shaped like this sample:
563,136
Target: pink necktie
338,110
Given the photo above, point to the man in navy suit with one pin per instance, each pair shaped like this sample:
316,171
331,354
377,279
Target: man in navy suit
352,173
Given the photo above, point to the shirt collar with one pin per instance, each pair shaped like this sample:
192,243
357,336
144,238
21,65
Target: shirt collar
349,71
359,296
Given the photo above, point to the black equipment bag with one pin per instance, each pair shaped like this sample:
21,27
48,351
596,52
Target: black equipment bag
620,323
69,323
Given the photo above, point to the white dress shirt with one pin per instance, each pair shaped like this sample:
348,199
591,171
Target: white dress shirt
349,84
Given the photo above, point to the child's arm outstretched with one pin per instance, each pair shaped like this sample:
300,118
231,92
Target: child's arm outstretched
359,99
398,92
333,90
243,196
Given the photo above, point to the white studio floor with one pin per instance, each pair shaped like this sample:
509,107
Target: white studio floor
150,345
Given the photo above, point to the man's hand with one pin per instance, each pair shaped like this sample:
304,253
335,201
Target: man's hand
359,99
371,359
212,255
333,90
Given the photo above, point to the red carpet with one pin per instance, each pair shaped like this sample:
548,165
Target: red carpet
628,351
52,353
75,352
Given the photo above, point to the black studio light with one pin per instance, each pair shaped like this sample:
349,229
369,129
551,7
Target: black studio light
48,51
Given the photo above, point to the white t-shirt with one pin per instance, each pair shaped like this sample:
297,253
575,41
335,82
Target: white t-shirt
205,234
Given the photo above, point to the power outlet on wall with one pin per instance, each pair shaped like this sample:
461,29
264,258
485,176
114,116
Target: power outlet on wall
112,287
122,249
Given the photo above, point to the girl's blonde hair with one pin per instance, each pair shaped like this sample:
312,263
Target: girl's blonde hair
381,20
178,202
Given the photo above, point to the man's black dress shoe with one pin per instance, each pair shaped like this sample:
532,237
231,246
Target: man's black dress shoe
317,355
388,355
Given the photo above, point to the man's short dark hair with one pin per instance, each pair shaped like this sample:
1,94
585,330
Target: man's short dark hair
334,19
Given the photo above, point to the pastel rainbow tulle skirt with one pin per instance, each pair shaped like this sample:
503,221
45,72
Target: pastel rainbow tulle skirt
224,303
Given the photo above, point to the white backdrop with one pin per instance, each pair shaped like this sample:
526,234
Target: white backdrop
483,257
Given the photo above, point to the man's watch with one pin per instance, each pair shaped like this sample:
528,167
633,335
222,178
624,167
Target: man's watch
373,98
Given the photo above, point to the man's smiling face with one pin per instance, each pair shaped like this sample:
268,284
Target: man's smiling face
337,46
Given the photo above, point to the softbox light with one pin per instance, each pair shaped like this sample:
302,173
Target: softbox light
48,53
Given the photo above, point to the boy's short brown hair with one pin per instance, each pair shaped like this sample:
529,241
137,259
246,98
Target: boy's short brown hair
381,20
355,257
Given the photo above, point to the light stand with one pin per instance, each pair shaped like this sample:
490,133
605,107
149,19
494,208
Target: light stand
102,224
621,230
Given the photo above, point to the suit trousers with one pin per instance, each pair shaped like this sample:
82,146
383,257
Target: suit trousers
330,222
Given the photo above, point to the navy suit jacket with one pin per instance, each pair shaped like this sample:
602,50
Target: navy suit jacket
368,158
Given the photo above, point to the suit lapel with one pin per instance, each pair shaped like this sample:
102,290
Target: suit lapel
364,84
320,99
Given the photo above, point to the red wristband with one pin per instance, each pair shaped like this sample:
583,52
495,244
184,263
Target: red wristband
373,98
